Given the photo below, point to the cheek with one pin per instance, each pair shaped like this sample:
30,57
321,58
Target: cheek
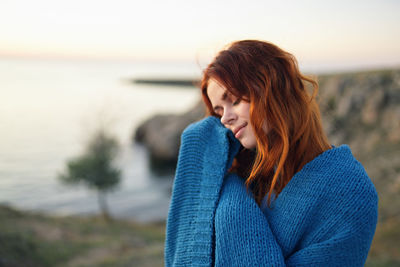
245,110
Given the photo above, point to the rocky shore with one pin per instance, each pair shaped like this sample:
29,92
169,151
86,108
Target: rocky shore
161,135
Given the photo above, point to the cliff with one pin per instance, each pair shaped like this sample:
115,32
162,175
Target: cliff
363,110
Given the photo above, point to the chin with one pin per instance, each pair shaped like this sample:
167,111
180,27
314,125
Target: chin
248,145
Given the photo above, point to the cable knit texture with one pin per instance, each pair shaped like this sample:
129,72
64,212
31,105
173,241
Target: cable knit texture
325,216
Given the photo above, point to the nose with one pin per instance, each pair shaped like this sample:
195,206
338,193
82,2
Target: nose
228,117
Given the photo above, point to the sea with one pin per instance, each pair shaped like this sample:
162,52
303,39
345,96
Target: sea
50,108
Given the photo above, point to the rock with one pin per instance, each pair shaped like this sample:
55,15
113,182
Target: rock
371,107
161,134
361,106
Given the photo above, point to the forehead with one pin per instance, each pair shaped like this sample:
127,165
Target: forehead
215,91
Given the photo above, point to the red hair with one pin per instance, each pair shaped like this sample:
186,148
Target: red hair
269,78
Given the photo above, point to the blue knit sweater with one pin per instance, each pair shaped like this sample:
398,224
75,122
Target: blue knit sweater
325,216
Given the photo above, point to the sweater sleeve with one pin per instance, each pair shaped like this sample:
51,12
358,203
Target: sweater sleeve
206,151
244,236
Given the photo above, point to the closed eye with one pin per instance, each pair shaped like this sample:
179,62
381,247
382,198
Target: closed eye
236,102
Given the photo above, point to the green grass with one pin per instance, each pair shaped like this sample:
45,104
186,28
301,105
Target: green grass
30,239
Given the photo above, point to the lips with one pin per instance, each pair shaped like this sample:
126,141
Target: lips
238,130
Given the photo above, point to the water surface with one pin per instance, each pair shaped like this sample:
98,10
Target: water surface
48,110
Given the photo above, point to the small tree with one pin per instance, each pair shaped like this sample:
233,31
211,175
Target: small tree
95,168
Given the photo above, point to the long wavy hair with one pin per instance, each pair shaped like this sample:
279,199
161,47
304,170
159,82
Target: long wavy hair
269,79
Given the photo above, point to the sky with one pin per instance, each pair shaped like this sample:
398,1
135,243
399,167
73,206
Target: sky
342,33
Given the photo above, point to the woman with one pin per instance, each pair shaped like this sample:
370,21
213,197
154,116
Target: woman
258,183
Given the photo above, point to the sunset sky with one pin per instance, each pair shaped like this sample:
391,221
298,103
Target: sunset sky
348,33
